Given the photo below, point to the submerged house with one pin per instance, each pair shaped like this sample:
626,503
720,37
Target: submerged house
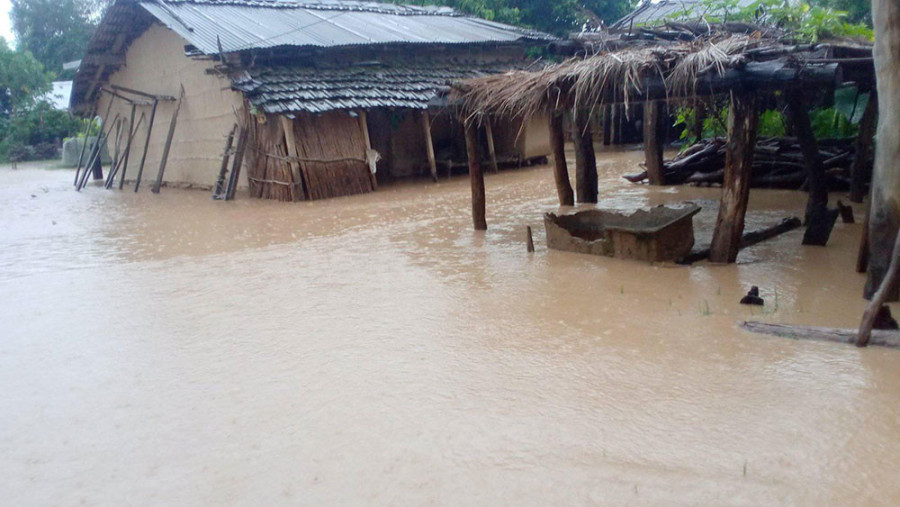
308,99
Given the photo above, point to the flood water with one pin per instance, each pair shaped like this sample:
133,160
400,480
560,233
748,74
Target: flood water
173,350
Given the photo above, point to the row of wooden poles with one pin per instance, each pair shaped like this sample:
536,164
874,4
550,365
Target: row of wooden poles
743,121
124,131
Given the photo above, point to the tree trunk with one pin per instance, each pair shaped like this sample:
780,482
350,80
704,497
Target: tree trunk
885,215
863,148
476,176
585,158
560,169
819,221
654,138
742,124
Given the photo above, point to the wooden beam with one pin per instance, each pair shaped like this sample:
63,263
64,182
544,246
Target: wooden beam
169,137
137,184
586,180
889,339
654,139
864,142
364,128
492,152
157,98
105,59
290,142
221,184
429,145
818,223
743,120
476,175
560,167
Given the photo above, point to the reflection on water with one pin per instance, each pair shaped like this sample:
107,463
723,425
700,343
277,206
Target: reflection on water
173,349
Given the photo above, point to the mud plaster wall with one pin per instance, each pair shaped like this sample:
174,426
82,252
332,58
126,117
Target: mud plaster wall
155,63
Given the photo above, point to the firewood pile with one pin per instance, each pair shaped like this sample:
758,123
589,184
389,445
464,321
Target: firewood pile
777,163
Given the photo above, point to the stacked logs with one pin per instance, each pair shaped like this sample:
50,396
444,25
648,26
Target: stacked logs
777,163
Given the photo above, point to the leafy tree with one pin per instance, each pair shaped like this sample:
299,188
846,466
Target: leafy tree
858,11
55,31
22,80
553,16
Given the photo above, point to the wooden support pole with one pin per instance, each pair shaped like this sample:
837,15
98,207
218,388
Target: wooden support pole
476,175
529,239
654,138
221,183
238,162
133,128
607,125
560,168
864,142
586,180
743,120
819,221
862,254
137,184
87,135
364,128
169,137
290,142
429,145
492,152
885,218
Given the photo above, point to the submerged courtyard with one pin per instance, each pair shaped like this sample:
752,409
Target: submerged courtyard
172,349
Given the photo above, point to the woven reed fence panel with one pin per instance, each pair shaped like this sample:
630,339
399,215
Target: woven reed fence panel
333,154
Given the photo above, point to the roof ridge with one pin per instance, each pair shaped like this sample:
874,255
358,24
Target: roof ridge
328,5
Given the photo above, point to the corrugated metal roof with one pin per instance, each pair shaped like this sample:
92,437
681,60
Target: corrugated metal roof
291,90
248,24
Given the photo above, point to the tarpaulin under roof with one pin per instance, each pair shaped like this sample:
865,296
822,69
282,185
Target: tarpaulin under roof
414,86
250,24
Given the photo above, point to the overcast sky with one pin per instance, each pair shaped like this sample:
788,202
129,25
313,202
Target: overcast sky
5,28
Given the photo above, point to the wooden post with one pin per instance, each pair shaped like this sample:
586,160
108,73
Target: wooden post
290,142
221,184
237,162
364,127
862,254
560,169
863,149
743,119
818,222
476,176
654,138
489,132
607,125
132,131
699,119
885,218
137,184
529,239
429,145
87,135
585,158
169,137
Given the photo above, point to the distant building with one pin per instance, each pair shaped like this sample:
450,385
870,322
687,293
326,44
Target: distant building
317,87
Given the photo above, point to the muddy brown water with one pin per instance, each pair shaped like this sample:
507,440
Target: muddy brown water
173,350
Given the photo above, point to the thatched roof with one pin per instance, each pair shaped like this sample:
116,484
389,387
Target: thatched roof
668,68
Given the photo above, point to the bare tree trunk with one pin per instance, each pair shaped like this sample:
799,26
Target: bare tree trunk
742,122
884,220
585,158
560,167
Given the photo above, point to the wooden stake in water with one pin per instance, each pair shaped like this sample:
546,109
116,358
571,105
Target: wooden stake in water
529,238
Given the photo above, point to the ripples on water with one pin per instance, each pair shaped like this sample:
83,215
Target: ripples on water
172,349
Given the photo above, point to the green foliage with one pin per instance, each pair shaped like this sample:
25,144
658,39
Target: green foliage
807,22
22,80
772,123
557,17
55,31
35,133
715,125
